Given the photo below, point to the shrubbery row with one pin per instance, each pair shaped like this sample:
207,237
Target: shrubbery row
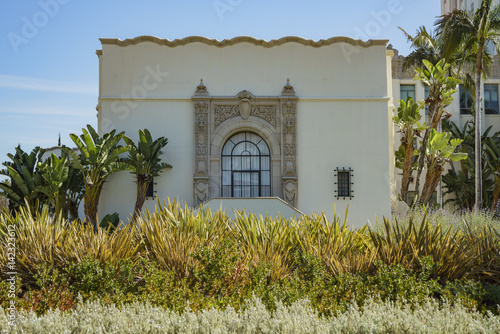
174,257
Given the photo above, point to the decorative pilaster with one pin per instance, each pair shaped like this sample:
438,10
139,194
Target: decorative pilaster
201,178
288,101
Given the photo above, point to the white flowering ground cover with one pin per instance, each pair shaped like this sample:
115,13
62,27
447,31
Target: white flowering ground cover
92,317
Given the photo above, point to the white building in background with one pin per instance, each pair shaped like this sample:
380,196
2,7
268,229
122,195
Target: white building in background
403,86
306,123
469,5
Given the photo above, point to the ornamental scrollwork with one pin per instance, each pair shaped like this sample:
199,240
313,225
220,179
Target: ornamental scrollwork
266,112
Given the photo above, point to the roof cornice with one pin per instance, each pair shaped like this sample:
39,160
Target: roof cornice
243,39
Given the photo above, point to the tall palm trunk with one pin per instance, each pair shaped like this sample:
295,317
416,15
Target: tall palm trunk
477,147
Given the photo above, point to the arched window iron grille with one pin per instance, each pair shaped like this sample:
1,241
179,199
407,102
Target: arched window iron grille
344,183
246,166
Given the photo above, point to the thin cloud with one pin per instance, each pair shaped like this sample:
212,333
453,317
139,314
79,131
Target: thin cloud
43,85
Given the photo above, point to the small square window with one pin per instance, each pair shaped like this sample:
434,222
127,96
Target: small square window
344,183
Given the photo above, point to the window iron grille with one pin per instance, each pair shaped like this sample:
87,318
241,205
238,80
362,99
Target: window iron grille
344,183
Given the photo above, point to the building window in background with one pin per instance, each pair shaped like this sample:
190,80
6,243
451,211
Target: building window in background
491,99
407,91
465,101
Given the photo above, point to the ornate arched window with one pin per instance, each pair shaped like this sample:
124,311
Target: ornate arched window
246,166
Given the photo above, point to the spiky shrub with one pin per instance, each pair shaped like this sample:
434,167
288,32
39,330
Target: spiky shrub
340,248
42,239
487,248
172,233
450,249
267,240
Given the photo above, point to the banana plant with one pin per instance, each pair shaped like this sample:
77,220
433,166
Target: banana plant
408,121
441,90
439,151
63,185
55,172
99,158
145,162
24,178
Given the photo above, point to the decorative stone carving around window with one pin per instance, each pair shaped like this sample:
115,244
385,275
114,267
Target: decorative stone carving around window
217,118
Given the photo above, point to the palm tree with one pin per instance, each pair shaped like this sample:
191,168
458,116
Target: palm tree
469,34
144,159
426,46
99,158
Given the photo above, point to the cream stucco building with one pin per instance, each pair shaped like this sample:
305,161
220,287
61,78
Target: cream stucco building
307,122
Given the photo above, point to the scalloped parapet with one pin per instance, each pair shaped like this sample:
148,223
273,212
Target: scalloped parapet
243,39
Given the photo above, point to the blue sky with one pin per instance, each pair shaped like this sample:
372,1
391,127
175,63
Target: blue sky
49,69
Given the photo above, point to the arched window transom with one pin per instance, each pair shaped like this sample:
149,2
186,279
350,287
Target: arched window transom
246,166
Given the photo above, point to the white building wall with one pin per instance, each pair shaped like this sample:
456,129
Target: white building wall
342,113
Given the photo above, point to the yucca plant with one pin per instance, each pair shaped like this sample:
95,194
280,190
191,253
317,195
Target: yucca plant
39,238
341,248
43,239
487,248
172,233
268,240
450,249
